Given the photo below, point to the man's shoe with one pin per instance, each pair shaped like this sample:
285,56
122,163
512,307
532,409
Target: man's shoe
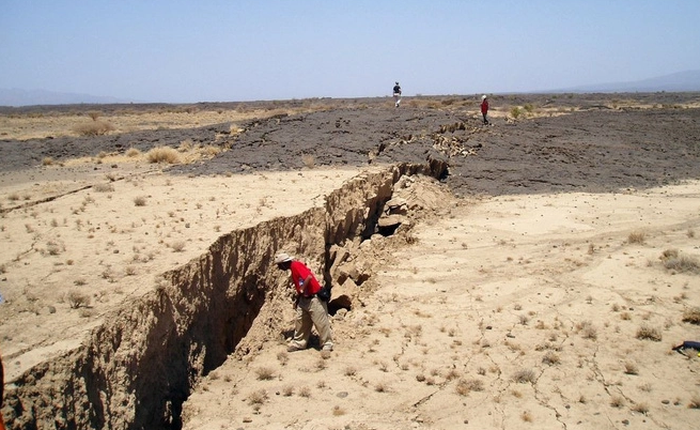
328,347
294,348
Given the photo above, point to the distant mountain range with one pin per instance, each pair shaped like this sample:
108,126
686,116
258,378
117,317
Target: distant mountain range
688,81
676,82
18,97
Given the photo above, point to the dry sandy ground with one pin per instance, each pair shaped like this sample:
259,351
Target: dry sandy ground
509,312
517,311
91,240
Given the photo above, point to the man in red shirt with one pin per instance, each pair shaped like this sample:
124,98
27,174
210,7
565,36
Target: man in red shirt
309,308
484,108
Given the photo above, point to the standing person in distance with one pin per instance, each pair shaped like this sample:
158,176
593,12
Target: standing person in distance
310,309
485,108
397,94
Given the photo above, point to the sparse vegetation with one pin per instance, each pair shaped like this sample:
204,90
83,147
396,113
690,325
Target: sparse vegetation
94,128
673,260
104,188
524,376
265,373
465,386
77,299
163,154
257,397
631,368
636,237
649,333
692,315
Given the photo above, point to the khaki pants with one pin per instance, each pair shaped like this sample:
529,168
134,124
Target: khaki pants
312,311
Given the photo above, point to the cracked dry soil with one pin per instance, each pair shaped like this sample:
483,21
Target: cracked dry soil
509,297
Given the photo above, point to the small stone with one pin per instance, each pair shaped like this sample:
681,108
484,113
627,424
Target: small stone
342,394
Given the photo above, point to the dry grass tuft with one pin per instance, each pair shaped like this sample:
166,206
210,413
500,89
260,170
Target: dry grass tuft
524,376
103,188
163,154
617,402
305,392
673,260
77,299
132,152
465,386
94,128
526,416
648,332
265,373
694,402
631,368
140,201
587,330
257,397
551,358
637,237
692,315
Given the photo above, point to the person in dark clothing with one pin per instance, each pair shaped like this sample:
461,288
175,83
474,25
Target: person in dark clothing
397,94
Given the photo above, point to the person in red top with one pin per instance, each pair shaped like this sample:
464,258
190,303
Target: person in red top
484,108
309,308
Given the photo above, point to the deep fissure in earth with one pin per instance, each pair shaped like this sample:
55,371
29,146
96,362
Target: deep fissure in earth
138,367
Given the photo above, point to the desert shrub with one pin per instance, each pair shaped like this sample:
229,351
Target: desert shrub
264,373
257,397
132,152
185,145
694,402
637,237
465,386
53,248
93,114
551,358
674,260
524,376
515,112
77,299
163,154
692,315
617,402
650,333
631,368
103,188
587,330
47,161
140,201
95,128
641,408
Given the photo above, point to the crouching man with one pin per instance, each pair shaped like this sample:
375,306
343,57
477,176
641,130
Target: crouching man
309,308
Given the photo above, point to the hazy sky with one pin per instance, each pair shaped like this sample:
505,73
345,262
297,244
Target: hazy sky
207,50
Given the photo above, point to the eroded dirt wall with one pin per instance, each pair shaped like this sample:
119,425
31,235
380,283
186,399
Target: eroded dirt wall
137,368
